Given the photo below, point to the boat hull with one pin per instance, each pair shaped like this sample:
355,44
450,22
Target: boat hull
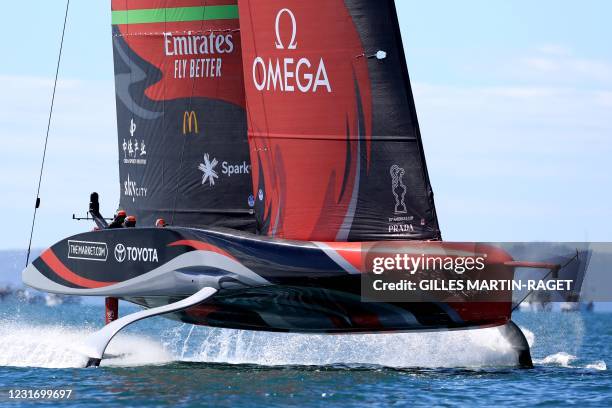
263,283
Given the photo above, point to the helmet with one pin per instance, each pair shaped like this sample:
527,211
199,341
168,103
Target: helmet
121,213
130,221
160,223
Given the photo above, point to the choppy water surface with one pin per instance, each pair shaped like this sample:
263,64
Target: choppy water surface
163,362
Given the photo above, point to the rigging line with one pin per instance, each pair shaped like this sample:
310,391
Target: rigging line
163,174
546,276
42,164
178,178
132,101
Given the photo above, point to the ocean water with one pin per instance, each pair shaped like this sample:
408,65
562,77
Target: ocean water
159,362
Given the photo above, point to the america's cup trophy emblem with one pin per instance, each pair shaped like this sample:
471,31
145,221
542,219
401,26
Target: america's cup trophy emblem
398,188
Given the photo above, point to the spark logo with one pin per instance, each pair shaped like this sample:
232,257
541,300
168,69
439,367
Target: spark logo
190,122
289,73
210,172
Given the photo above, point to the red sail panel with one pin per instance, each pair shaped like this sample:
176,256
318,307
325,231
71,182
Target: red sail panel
335,145
183,151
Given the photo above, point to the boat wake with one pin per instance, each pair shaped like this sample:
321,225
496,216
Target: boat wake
430,350
567,360
56,346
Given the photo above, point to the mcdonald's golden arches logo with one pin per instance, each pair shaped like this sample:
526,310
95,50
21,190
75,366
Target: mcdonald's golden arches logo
190,122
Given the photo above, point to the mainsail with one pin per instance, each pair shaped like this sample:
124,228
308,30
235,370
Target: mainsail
335,143
183,151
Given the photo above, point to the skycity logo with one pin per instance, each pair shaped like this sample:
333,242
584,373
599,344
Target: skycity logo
288,74
131,189
135,254
210,174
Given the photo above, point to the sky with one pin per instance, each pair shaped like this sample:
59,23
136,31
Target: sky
514,99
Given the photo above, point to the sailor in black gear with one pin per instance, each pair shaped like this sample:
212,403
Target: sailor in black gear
130,221
118,220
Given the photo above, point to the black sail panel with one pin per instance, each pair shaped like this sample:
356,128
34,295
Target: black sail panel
183,151
397,155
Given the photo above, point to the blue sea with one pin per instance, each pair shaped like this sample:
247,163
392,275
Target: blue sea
160,362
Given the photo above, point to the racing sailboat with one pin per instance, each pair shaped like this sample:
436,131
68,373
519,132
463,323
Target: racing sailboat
280,141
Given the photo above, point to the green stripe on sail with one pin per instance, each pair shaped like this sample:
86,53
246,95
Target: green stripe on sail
177,14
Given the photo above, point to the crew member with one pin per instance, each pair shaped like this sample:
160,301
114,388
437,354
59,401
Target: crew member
118,220
130,221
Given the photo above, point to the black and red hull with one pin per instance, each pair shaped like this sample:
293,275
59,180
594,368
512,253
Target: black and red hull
264,284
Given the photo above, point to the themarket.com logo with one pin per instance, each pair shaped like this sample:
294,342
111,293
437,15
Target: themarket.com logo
293,72
90,251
